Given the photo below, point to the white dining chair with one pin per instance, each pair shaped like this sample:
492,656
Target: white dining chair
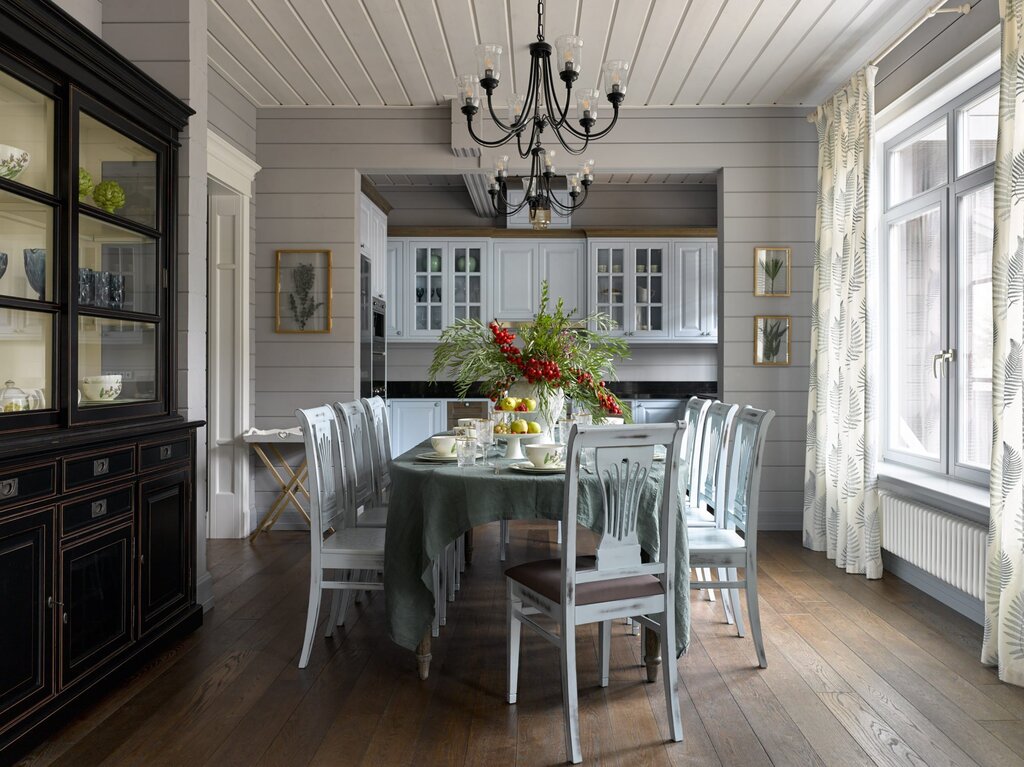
693,422
380,440
616,583
734,545
356,451
336,547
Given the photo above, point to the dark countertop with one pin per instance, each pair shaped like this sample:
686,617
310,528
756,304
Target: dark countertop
624,389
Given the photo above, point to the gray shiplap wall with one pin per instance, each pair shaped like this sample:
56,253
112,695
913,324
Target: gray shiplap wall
306,196
168,41
87,12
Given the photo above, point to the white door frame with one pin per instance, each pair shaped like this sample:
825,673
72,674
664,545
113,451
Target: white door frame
232,169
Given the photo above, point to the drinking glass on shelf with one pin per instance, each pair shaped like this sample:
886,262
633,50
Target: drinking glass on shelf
583,419
465,451
485,436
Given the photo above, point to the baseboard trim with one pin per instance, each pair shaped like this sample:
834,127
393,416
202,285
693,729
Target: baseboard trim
780,520
204,592
952,597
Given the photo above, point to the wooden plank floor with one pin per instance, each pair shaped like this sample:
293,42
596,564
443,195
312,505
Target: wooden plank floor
860,672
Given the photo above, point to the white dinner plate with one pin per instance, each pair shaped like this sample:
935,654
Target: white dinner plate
529,468
433,455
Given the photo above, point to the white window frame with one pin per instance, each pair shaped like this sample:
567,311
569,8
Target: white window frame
947,196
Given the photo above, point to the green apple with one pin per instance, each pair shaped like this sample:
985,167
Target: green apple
531,404
520,426
533,428
508,403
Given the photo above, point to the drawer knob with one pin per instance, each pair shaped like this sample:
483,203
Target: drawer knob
165,452
100,467
8,488
99,508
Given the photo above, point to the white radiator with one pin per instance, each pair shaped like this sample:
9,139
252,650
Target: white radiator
950,548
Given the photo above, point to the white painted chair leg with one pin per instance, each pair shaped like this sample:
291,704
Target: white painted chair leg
503,539
604,649
670,677
312,617
734,599
336,598
570,695
723,574
515,630
436,577
558,532
636,628
755,617
705,575
450,570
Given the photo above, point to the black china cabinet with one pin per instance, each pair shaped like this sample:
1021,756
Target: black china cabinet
97,469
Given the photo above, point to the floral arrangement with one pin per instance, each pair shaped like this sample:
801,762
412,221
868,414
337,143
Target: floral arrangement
554,352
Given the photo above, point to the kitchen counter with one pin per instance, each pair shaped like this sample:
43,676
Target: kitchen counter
624,389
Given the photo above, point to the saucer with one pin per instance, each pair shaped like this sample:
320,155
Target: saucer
529,468
433,455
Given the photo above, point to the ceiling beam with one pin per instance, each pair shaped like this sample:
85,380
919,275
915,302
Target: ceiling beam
476,185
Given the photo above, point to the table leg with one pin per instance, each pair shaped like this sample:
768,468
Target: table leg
652,653
423,656
469,546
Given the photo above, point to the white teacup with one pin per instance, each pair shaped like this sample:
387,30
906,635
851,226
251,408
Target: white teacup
544,455
443,444
465,431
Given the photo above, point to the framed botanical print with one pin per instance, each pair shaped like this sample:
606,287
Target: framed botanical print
772,271
302,291
772,340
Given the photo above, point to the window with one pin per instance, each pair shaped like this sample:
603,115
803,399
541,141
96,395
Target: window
937,230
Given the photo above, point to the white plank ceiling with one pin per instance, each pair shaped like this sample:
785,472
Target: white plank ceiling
434,181
683,52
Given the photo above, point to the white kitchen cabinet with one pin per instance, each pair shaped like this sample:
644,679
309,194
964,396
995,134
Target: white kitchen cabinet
658,410
521,219
695,287
395,294
516,279
563,264
630,282
414,420
373,242
608,281
441,281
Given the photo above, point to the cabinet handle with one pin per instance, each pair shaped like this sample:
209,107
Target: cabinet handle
99,508
437,404
398,332
9,488
165,452
100,467
65,618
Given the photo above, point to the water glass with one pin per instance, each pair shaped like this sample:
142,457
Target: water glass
465,451
564,430
485,436
583,419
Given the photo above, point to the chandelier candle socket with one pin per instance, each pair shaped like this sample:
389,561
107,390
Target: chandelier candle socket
540,109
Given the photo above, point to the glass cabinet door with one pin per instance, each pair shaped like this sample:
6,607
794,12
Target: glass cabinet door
609,263
118,275
468,290
649,293
428,263
29,212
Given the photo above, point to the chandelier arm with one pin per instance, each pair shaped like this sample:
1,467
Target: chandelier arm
519,124
549,92
565,145
484,142
607,129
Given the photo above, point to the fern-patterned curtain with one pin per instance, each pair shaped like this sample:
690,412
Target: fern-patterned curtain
840,502
1004,594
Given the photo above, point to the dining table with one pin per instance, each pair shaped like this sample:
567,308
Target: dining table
432,504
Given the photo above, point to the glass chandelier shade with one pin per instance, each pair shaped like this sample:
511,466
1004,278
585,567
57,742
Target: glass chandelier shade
538,109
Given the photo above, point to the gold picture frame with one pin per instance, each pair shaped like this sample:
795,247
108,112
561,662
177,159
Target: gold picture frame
769,332
306,277
773,271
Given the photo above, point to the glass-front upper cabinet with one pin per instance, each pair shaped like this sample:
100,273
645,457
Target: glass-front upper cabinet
649,262
610,273
468,283
119,267
429,289
29,212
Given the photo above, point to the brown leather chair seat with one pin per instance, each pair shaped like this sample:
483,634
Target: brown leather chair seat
545,577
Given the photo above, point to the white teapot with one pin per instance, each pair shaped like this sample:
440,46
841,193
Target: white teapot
15,400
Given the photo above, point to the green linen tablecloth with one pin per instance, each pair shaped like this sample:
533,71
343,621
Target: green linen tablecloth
431,504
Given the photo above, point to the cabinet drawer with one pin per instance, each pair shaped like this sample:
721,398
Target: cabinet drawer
157,454
97,509
94,468
23,484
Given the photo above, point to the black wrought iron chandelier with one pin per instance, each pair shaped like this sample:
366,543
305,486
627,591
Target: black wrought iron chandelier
537,111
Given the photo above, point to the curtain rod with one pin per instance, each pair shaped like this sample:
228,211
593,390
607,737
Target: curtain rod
931,13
